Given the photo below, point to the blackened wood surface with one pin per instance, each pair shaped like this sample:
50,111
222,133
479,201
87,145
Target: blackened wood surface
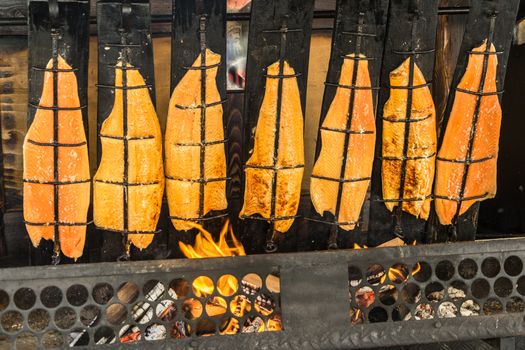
263,50
477,30
185,48
73,47
109,20
401,17
374,22
13,111
448,42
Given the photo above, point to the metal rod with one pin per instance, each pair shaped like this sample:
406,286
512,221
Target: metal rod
319,14
398,229
334,232
125,189
202,39
56,176
454,233
271,246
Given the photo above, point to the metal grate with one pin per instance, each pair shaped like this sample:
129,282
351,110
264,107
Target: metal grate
436,288
476,287
126,309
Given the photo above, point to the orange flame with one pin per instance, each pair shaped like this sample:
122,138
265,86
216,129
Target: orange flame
206,247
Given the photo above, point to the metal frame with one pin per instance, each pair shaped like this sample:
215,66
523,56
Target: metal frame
313,293
480,93
124,48
271,236
203,143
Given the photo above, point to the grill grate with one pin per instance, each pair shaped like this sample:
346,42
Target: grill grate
405,295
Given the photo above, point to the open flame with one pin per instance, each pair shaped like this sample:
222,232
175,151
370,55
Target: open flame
397,273
206,247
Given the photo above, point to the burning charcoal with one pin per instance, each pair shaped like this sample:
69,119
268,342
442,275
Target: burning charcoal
155,332
240,305
455,293
231,326
447,310
424,312
249,289
388,294
470,308
264,304
192,308
274,323
216,306
375,275
180,330
142,312
155,292
356,316
166,310
129,334
365,297
253,325
436,296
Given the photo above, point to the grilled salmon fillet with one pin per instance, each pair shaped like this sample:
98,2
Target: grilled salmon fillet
73,166
290,152
480,179
360,148
421,147
183,150
144,163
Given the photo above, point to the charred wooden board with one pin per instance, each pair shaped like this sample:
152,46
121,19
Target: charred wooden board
13,113
347,21
73,46
185,48
140,54
403,14
477,30
263,50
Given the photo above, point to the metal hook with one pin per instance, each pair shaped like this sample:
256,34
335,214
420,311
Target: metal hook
127,249
55,259
126,15
53,12
271,245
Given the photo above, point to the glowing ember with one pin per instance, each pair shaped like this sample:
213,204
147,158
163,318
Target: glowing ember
206,247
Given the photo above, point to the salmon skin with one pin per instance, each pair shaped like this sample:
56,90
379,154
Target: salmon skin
70,181
419,158
145,173
183,147
260,173
324,185
478,179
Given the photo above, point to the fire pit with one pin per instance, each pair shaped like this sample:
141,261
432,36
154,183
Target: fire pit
340,299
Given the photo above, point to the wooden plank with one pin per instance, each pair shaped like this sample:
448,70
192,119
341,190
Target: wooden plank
477,30
263,50
402,16
13,113
374,21
109,22
186,41
73,46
